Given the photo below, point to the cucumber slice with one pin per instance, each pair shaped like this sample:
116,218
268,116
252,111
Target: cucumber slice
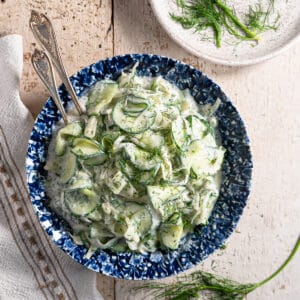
147,177
120,246
86,148
69,167
82,181
160,194
60,146
91,127
138,176
95,215
133,124
162,199
207,202
134,105
108,139
171,233
120,228
79,204
151,140
140,158
97,230
179,133
96,160
138,216
71,130
201,159
100,96
117,182
198,127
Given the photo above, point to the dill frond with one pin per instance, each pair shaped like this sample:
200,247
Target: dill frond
215,14
190,286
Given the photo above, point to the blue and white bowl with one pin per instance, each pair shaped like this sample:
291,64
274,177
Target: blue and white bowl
236,173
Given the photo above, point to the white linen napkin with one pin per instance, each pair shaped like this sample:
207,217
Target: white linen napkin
31,266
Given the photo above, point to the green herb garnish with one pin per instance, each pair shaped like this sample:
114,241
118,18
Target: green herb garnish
220,288
215,14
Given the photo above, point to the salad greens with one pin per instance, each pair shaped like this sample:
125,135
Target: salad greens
191,286
140,172
216,14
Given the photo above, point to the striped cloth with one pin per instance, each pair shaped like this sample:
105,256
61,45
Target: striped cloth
31,267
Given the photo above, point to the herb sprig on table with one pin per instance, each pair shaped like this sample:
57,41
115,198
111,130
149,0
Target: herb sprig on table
215,14
220,288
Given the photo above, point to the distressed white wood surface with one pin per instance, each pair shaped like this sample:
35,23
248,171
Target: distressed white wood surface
266,95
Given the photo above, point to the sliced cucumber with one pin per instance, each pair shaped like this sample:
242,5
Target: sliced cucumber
198,127
71,130
151,140
86,148
201,159
138,216
140,158
171,233
147,177
165,199
97,230
207,202
69,166
96,160
120,228
80,204
166,166
120,246
117,182
95,215
108,139
91,127
134,106
82,181
179,133
160,194
101,96
138,176
133,124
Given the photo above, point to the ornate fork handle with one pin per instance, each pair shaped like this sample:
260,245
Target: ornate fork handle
42,65
44,33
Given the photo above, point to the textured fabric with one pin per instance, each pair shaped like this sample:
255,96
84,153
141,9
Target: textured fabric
31,267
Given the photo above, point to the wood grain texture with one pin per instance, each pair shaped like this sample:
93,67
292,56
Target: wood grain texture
266,95
84,33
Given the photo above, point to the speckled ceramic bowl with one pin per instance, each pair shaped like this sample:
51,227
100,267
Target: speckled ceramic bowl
237,169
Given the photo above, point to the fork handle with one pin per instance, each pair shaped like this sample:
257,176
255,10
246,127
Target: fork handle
42,65
44,33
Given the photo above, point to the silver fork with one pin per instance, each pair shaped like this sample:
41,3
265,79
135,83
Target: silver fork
42,65
43,31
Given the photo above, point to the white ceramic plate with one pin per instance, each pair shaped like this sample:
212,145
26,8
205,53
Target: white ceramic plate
245,53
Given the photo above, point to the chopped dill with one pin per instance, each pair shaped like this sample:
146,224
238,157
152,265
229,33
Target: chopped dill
195,284
223,247
202,14
258,19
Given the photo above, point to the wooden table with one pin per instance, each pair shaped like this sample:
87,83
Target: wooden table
266,95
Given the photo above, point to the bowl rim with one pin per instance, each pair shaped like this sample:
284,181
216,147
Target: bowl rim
136,57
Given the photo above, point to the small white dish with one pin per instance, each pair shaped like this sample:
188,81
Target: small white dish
271,43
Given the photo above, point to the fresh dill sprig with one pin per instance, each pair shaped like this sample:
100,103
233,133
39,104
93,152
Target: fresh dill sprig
257,18
190,286
215,14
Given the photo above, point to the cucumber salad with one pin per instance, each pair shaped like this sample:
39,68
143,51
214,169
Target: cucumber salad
139,170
